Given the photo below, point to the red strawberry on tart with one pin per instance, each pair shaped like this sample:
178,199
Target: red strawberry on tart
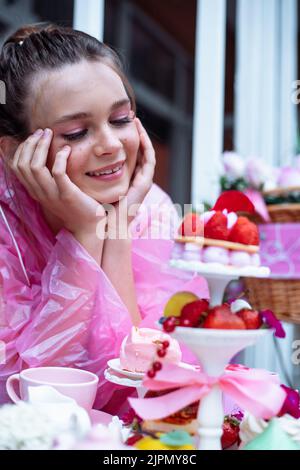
220,235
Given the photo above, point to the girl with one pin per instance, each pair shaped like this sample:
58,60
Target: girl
71,144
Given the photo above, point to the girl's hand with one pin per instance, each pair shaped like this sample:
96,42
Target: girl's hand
142,178
55,192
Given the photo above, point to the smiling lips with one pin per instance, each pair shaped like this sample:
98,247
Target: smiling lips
109,170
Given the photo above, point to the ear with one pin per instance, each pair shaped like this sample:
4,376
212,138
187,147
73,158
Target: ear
8,146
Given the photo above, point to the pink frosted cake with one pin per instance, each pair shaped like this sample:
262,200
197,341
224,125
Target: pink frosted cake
139,348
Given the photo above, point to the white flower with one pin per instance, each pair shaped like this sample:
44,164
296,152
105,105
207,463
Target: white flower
234,166
258,172
38,426
24,427
288,177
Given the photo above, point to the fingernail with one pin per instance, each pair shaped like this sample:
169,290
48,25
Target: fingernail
38,132
47,132
66,148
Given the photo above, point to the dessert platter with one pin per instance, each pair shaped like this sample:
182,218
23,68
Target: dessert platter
183,407
220,245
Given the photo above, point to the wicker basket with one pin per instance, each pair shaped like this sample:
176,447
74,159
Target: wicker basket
282,296
285,212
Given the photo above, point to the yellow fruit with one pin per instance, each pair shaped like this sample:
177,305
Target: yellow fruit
148,443
177,302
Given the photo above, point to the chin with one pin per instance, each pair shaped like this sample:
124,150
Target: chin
111,197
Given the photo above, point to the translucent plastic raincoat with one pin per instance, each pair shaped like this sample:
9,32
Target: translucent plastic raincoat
57,306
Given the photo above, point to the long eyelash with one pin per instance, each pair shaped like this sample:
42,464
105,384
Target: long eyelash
82,133
120,122
76,135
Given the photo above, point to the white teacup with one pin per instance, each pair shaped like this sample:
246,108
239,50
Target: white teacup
78,384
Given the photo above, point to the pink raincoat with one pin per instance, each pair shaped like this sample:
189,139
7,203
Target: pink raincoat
57,306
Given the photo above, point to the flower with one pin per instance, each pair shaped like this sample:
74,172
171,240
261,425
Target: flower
24,427
101,437
291,404
234,166
288,177
271,321
257,172
238,415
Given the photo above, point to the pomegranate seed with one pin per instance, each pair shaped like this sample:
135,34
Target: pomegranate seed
165,344
151,374
161,352
169,327
156,366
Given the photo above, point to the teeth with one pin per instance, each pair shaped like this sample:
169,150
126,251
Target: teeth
107,172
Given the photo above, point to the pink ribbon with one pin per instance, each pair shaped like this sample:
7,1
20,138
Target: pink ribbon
255,390
259,203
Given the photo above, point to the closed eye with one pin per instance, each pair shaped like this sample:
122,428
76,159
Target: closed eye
81,134
76,135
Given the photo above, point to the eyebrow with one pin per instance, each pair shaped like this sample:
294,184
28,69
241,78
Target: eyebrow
72,117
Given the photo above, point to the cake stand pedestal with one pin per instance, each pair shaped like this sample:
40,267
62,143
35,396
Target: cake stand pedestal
215,348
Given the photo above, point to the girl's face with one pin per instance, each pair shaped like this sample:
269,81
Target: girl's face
87,108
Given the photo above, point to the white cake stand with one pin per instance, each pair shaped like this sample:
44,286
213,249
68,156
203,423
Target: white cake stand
218,276
214,348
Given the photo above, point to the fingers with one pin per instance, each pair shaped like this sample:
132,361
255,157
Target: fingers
63,182
38,168
21,164
148,165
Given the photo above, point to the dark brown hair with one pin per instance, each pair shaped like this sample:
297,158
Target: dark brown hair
37,48
41,47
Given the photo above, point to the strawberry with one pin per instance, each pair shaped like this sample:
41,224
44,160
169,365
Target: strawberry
193,312
216,227
191,226
222,318
252,318
244,231
231,430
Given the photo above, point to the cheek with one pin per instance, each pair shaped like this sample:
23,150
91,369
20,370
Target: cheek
131,146
75,160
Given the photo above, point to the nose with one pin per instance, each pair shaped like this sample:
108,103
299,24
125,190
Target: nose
107,142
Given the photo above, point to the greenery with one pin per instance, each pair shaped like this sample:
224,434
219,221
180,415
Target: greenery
239,184
292,197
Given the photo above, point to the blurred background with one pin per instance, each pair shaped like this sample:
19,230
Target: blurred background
209,76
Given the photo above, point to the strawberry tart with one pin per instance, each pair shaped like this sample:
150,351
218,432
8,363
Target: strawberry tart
220,235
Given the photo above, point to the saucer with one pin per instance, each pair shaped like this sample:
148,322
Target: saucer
115,365
120,379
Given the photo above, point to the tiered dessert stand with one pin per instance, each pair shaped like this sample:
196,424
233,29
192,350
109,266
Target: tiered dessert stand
214,348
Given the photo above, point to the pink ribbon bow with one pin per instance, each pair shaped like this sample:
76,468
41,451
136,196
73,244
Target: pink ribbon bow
255,390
